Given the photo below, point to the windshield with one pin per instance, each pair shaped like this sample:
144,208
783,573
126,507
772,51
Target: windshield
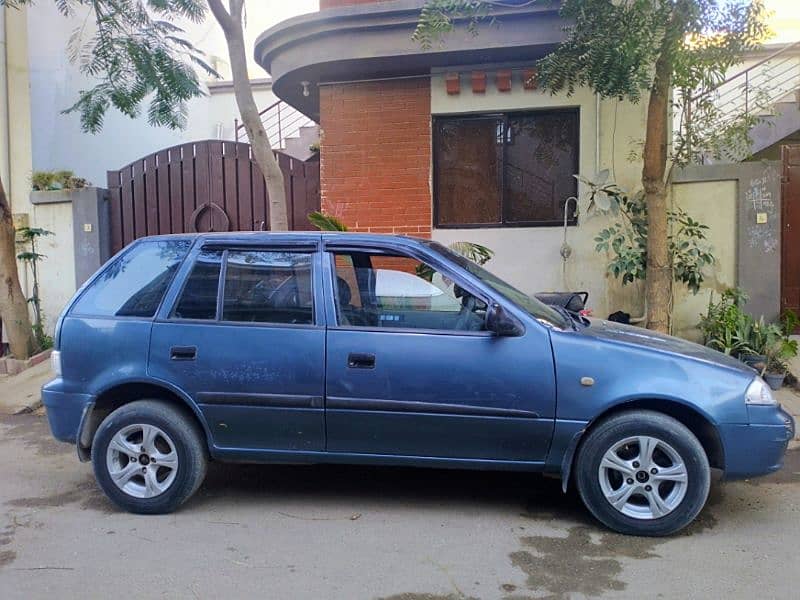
531,305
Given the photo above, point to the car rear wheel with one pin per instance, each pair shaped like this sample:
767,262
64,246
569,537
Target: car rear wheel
643,473
149,457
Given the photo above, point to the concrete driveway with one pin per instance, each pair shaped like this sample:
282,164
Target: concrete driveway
346,532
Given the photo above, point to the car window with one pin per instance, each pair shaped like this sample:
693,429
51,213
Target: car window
134,284
268,287
537,309
376,290
198,299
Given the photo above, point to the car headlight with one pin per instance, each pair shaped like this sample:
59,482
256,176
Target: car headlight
758,392
55,362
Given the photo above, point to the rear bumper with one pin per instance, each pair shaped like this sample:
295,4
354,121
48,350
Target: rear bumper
64,410
758,448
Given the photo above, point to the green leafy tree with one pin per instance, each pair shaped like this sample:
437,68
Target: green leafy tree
640,51
136,57
626,239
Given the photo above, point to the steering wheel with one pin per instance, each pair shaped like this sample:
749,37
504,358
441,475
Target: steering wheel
467,313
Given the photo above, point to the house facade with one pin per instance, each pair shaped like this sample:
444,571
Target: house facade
457,143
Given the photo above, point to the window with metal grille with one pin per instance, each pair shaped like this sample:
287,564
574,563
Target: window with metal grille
505,170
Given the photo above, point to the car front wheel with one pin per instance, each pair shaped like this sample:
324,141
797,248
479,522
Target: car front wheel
149,457
643,473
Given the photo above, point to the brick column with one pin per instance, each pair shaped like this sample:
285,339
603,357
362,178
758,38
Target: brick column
376,155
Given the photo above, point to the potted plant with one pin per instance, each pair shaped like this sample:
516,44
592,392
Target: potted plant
726,327
757,336
779,348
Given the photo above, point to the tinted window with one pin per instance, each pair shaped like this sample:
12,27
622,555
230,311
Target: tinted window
268,287
399,291
513,169
199,296
134,284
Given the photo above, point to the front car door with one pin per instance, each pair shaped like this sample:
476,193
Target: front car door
412,371
244,336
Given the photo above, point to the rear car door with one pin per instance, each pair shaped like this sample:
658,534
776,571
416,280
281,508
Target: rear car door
412,371
244,336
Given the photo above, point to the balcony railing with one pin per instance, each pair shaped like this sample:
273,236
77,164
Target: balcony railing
280,120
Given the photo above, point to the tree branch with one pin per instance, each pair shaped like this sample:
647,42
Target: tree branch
236,10
223,17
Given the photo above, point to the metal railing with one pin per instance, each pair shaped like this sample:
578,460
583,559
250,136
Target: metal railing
756,88
280,120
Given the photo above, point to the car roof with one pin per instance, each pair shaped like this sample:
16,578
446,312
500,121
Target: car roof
268,237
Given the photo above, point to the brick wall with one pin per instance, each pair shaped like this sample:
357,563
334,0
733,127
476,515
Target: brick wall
323,4
376,155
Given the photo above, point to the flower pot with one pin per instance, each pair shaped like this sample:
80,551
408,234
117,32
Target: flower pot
774,380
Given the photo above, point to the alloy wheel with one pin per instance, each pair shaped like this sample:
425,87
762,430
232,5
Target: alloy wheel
142,460
643,477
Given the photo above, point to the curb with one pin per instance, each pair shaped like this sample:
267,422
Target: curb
30,408
12,366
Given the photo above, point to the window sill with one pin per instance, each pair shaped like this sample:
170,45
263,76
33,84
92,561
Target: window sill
570,223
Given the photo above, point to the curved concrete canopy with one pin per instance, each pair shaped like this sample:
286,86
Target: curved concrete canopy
370,41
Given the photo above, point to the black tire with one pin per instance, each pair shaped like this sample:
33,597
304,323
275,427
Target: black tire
606,435
189,445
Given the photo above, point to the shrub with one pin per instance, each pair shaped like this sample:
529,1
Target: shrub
44,181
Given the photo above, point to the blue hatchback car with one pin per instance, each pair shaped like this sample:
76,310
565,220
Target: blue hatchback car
356,348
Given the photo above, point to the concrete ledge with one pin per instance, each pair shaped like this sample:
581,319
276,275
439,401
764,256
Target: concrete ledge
60,196
13,366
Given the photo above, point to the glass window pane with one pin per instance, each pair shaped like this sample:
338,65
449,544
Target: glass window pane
199,296
467,163
134,284
268,287
402,292
540,161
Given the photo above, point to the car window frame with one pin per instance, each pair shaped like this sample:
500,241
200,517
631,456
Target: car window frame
71,309
166,315
331,248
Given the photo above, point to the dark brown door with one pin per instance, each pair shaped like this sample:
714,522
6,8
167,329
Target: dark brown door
790,234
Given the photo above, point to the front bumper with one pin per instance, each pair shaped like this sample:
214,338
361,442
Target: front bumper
757,448
64,410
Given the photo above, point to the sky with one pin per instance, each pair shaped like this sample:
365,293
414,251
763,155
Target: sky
261,15
785,21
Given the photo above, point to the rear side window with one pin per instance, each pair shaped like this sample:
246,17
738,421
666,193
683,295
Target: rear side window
199,297
268,287
134,284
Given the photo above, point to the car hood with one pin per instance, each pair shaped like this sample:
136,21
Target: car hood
638,336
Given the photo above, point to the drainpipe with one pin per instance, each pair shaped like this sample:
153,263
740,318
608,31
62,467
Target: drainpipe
597,133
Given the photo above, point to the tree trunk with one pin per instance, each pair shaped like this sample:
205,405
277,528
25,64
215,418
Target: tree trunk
659,270
231,24
13,305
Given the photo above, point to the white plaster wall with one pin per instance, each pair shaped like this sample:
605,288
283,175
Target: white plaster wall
529,257
59,143
57,270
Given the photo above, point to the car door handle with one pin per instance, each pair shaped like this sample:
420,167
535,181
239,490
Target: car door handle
361,361
183,353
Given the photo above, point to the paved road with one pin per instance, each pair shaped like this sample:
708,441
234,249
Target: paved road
340,532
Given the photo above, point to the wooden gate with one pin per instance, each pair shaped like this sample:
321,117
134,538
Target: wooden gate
204,186
790,229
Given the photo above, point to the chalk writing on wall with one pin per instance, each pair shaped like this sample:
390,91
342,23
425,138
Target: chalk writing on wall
759,197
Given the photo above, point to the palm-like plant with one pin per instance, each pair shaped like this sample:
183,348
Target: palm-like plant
477,253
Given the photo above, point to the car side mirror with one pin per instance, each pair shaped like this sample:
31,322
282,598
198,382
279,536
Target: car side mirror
499,322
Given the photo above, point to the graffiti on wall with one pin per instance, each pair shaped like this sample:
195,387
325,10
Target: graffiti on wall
762,211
